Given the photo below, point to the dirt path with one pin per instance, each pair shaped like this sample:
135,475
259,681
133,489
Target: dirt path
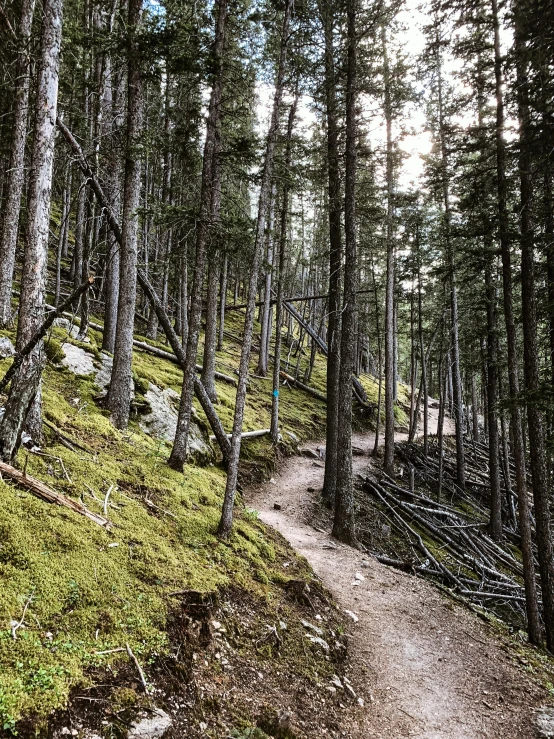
424,666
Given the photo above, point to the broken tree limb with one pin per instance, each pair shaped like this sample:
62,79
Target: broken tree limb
42,491
294,299
357,387
41,332
249,434
163,318
145,347
301,386
139,668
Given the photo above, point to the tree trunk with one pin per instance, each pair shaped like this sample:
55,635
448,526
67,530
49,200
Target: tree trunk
535,419
180,446
335,258
25,385
222,301
495,523
281,277
390,379
119,394
16,172
226,521
344,524
210,334
533,621
457,393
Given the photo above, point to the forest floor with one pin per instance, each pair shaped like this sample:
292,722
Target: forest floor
423,665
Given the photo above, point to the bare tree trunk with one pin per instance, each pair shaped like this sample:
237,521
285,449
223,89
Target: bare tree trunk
265,333
344,523
531,599
210,334
25,385
380,359
180,446
119,394
390,365
64,225
335,257
114,194
226,521
16,172
222,301
474,408
281,278
535,419
495,523
457,393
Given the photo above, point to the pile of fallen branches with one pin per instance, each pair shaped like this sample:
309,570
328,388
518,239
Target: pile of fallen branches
439,476
443,539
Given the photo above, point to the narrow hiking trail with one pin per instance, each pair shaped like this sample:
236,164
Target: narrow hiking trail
424,666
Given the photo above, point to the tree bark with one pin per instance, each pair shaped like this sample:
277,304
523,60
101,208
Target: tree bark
390,364
119,394
281,277
457,393
495,523
180,446
25,385
335,257
226,521
344,524
535,419
533,620
16,171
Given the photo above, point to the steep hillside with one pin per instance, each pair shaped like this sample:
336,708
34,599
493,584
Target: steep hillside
73,595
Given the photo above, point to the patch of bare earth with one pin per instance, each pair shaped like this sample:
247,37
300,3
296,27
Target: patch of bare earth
423,666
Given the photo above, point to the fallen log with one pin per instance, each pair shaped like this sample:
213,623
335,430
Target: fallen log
41,332
42,491
249,434
301,386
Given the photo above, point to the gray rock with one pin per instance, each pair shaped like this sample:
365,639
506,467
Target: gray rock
293,436
161,423
318,640
544,720
151,726
308,625
7,349
78,360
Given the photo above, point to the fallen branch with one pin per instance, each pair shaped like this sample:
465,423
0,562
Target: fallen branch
301,386
42,491
107,500
139,668
41,332
18,624
249,434
66,441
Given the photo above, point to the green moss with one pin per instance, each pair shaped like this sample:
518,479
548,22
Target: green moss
88,590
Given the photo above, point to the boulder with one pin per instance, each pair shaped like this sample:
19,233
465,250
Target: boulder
161,423
77,360
150,726
7,349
